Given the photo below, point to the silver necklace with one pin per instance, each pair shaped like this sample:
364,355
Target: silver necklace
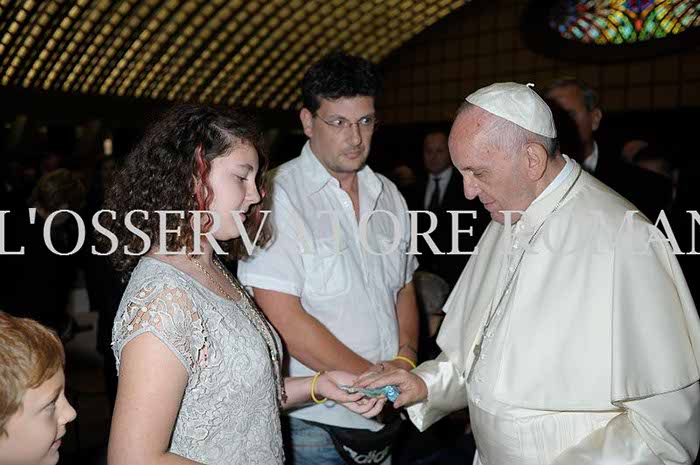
256,318
492,311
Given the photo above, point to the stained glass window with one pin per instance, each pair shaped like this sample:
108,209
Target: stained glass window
604,22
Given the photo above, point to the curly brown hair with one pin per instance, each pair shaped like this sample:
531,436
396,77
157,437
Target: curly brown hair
160,173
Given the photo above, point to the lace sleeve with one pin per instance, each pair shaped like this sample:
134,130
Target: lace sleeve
166,312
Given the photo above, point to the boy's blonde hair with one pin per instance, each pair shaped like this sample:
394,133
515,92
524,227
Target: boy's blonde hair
30,354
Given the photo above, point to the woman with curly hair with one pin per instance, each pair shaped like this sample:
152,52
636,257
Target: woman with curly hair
199,365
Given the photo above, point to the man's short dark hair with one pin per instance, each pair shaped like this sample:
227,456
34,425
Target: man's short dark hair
339,75
590,96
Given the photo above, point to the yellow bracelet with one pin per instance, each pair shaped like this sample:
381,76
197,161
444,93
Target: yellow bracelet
313,385
405,359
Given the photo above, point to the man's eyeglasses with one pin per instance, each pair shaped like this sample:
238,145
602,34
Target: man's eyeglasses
367,123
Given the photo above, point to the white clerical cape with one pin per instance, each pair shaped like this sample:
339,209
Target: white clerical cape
599,313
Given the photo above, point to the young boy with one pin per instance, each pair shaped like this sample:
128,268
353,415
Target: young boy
33,408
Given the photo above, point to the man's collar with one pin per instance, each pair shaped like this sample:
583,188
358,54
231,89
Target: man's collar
591,161
547,200
318,176
558,179
442,174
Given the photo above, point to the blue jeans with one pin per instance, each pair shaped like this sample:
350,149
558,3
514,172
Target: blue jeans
307,444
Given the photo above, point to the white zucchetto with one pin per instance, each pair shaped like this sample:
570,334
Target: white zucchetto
518,104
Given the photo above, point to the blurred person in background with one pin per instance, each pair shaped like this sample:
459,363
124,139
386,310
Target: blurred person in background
39,281
649,192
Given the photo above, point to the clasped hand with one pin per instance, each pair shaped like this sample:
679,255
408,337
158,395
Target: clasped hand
327,386
411,386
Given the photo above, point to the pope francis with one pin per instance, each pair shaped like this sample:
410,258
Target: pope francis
571,334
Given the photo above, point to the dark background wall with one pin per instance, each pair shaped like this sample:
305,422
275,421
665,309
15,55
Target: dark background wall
425,80
481,43
656,98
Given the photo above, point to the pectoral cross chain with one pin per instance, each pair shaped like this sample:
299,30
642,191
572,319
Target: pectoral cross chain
492,312
477,354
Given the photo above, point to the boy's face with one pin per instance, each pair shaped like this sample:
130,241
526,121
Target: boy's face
34,432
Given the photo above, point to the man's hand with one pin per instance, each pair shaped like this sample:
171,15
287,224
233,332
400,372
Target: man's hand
327,386
412,387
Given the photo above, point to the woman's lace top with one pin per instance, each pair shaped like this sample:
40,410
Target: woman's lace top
229,412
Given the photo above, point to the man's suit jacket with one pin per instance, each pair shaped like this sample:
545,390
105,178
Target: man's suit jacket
648,191
448,266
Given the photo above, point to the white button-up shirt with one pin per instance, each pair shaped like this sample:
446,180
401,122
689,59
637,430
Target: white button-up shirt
316,254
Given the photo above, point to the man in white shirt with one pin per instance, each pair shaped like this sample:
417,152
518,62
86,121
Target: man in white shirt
336,281
572,336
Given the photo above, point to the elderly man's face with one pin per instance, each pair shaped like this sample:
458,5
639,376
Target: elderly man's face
436,154
496,177
570,98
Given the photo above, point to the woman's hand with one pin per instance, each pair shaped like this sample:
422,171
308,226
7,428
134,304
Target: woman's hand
327,386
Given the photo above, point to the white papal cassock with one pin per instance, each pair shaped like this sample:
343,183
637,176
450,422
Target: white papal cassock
592,355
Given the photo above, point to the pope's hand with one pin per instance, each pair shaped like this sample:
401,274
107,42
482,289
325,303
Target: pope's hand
327,386
412,387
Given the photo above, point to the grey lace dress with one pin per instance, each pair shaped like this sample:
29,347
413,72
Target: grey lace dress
229,413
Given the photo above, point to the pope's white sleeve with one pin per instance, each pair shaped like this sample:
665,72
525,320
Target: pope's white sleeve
661,429
447,392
